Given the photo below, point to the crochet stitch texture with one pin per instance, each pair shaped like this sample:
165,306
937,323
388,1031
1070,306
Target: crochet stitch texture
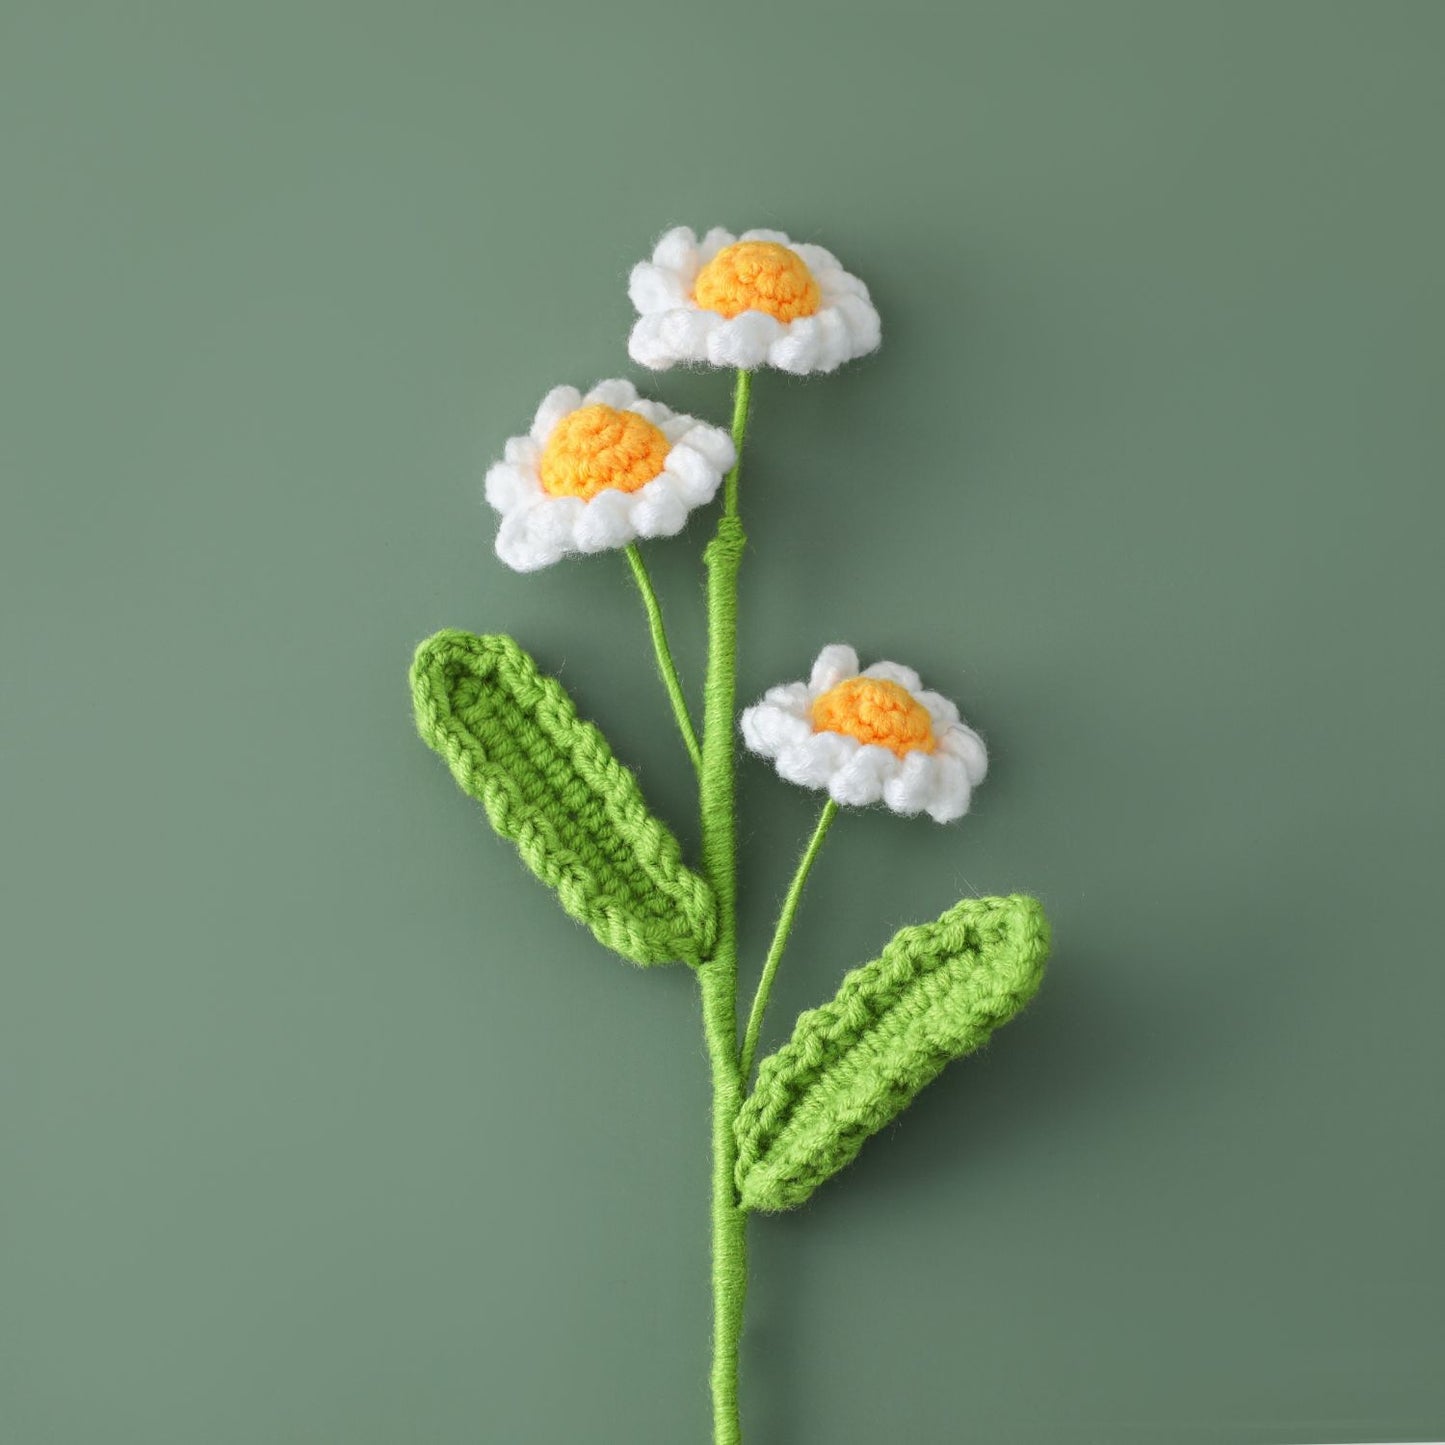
596,473
937,991
550,784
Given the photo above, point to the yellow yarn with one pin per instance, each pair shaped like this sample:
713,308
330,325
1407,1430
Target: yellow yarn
757,276
596,447
874,710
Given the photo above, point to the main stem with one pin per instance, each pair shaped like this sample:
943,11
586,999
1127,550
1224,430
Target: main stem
719,976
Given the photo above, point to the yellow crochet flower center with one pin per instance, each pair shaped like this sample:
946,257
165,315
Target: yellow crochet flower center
596,447
757,276
874,710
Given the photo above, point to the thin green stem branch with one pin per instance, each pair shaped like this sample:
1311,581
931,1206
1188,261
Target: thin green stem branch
780,939
742,403
665,664
718,977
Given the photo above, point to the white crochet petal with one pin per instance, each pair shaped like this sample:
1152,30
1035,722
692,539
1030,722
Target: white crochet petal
662,417
690,330
645,345
837,285
818,259
522,452
744,341
865,330
555,405
797,697
813,762
768,730
527,540
655,288
606,522
951,791
905,677
712,442
553,521
778,237
696,478
717,239
835,662
668,337
676,250
941,710
508,486
799,348
673,425
658,509
961,742
616,393
835,345
859,781
913,785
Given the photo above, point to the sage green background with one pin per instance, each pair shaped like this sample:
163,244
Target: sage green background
320,1122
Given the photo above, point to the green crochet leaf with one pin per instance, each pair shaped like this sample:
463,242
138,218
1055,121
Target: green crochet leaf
549,782
937,991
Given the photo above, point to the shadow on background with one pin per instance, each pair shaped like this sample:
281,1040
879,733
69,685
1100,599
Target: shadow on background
1098,1050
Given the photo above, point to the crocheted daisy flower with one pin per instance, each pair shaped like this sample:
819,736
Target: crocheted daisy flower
759,299
600,471
869,736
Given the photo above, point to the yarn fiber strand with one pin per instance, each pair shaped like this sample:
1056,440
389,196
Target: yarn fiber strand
602,470
935,993
665,664
550,784
718,977
780,939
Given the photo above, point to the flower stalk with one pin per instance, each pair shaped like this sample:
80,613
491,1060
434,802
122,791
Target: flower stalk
780,939
599,471
665,663
718,977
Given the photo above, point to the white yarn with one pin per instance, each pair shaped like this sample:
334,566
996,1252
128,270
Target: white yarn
538,529
939,783
673,328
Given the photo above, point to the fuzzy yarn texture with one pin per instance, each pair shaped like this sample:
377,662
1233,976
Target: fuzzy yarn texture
874,735
550,784
597,471
758,276
937,991
755,300
718,978
604,470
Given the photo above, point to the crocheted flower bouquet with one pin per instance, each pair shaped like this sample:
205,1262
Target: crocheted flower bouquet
603,470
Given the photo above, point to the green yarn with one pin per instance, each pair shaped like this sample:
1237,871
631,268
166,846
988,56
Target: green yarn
937,991
718,978
550,784
665,665
780,939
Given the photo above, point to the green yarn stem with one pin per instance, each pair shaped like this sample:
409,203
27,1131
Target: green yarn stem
718,977
665,664
780,939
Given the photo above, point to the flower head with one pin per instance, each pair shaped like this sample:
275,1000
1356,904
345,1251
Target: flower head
746,302
600,471
869,736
